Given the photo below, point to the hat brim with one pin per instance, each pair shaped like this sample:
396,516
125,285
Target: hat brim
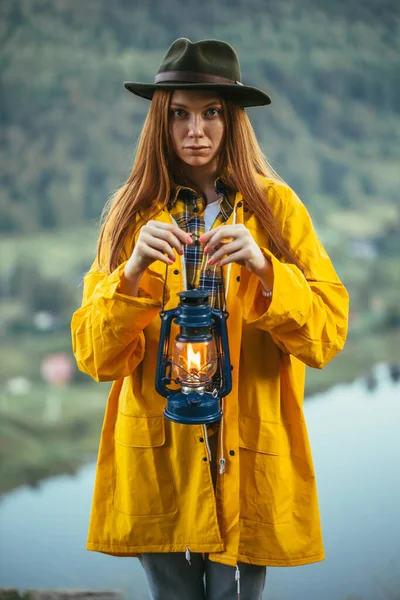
243,95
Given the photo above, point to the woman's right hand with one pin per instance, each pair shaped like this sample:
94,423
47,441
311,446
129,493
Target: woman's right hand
156,241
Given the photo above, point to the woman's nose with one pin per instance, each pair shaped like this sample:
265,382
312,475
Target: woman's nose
196,126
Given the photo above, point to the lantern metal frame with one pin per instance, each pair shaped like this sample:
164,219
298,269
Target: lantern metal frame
198,322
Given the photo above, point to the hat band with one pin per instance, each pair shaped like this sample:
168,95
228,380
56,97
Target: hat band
191,77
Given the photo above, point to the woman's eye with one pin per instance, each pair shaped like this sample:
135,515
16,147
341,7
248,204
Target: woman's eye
213,112
177,112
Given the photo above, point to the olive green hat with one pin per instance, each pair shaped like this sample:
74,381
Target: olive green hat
204,65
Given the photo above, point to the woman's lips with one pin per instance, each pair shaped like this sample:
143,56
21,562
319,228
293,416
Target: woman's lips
196,148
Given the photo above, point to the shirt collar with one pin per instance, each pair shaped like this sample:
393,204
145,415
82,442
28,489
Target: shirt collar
187,193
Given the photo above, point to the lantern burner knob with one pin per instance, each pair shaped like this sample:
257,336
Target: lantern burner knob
188,390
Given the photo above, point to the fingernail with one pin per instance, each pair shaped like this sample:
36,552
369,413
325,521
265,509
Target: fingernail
217,263
181,252
209,262
206,250
189,240
201,238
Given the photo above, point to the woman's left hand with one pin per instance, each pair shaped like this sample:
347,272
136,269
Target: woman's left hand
234,243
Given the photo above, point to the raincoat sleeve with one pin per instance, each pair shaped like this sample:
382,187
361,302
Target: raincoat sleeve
308,314
107,330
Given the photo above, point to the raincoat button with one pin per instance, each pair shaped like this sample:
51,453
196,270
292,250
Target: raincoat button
201,439
232,452
205,458
238,278
240,204
176,272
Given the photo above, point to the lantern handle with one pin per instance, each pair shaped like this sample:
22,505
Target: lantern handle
162,357
224,291
220,326
164,291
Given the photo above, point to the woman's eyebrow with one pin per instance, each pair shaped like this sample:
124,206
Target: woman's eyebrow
212,103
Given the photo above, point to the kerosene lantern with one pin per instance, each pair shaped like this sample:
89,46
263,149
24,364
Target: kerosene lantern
197,360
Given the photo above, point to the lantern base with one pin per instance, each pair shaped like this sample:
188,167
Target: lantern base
193,408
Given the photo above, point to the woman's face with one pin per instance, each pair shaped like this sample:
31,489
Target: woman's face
197,126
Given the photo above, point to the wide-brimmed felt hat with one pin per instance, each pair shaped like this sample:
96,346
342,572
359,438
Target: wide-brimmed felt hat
204,65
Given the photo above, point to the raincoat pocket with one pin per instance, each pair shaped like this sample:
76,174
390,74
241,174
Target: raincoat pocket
265,472
144,485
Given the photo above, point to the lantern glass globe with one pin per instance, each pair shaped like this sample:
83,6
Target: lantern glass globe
194,363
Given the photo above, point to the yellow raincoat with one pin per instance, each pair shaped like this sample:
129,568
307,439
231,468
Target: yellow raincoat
153,489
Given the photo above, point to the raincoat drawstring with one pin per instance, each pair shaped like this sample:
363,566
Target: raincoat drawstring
237,578
207,442
222,460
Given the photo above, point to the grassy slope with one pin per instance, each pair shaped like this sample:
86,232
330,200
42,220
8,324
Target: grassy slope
34,448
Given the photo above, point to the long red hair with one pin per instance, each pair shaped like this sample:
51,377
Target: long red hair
155,171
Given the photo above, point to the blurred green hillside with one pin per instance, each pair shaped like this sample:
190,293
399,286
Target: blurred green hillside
69,130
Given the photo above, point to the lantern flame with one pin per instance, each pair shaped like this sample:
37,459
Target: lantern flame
194,363
193,360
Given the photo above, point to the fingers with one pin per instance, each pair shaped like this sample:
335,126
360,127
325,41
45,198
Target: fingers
226,243
226,250
222,234
163,237
235,257
157,255
171,233
229,243
158,244
165,241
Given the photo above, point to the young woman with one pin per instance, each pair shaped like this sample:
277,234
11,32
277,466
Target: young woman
193,502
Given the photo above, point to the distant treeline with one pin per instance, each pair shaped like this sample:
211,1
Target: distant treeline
69,128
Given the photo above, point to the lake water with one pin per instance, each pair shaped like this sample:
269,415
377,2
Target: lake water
356,447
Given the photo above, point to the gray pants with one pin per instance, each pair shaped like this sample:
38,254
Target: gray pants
170,576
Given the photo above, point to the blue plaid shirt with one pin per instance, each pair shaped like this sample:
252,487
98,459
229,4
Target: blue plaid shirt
187,208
